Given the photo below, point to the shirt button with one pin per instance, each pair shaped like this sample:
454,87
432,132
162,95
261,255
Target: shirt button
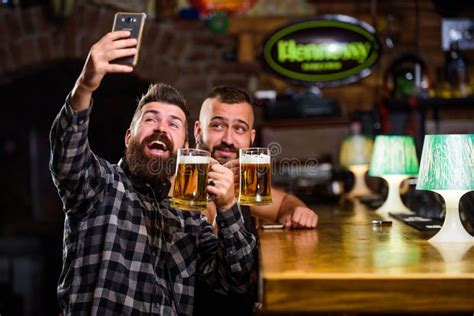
81,122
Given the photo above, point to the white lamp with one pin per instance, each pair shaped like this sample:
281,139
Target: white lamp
447,168
393,159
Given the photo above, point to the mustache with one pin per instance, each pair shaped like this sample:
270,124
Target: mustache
225,146
159,136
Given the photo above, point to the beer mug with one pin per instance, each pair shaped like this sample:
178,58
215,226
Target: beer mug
255,176
189,191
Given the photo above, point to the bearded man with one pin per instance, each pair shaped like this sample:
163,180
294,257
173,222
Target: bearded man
126,251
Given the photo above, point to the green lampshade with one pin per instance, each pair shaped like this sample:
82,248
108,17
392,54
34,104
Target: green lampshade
393,155
355,150
447,163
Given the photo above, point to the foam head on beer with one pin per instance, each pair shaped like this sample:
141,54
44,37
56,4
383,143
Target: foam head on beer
255,176
193,159
255,159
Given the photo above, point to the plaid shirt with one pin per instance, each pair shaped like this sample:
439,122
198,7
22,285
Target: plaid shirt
114,260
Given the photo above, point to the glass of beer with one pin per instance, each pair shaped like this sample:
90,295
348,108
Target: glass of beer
189,191
255,176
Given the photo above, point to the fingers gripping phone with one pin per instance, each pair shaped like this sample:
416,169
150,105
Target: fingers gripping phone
132,22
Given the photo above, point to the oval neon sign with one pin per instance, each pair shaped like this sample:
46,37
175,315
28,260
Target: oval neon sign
330,50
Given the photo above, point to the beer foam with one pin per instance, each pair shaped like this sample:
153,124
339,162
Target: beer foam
193,159
255,159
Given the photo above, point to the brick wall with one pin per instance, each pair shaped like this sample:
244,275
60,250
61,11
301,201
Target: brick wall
185,54
189,56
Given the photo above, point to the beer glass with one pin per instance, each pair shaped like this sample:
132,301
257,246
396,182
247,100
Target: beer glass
255,176
189,191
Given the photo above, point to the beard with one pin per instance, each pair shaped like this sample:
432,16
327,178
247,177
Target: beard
200,144
150,169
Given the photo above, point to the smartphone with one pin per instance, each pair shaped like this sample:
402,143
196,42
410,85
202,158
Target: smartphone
132,22
273,226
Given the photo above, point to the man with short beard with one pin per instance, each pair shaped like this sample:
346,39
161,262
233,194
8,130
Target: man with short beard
226,125
126,251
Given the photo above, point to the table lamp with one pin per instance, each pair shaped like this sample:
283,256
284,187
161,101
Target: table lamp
393,159
447,168
355,155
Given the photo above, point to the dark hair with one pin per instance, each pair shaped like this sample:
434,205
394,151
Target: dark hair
163,93
229,95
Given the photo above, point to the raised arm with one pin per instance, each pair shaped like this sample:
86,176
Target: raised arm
74,168
111,46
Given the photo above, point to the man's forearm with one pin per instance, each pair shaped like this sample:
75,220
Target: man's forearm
288,204
234,257
80,98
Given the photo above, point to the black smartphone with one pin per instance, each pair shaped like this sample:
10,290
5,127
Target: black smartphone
132,22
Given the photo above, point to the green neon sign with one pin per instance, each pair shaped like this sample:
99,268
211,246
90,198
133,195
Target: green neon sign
331,50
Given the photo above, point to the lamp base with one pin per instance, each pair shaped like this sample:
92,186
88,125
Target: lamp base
360,188
393,203
452,252
452,229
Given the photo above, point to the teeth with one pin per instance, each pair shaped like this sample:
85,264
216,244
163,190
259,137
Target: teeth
158,143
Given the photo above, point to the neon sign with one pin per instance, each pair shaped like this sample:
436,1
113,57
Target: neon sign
330,50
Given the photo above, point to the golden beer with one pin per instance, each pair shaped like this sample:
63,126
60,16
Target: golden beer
255,178
189,191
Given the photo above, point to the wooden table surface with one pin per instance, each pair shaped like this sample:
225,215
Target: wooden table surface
349,265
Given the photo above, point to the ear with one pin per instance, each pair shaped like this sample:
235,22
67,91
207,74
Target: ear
128,134
197,130
252,136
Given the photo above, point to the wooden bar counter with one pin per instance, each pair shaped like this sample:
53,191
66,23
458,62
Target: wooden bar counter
348,264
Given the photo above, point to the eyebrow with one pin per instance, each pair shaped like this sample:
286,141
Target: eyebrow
218,117
155,112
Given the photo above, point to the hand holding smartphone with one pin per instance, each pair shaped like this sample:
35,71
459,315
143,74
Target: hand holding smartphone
132,22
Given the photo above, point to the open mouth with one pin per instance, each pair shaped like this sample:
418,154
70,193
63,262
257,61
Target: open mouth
157,147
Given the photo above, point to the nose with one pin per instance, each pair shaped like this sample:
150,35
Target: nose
160,127
227,138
